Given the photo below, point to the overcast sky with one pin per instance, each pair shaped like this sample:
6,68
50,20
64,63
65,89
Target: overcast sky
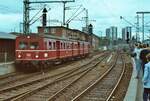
106,13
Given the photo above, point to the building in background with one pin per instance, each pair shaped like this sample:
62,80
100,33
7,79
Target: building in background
127,33
112,33
108,33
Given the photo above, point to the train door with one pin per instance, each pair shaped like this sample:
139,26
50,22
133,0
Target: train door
58,49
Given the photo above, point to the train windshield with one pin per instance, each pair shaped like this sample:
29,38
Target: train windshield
34,45
23,45
31,45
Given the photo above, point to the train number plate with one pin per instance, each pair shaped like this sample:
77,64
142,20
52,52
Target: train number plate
28,54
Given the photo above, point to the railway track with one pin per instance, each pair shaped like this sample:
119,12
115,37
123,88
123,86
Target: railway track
43,93
22,88
103,88
18,76
121,90
21,79
9,75
72,89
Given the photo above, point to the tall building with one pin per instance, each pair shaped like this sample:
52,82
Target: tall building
127,32
112,33
108,33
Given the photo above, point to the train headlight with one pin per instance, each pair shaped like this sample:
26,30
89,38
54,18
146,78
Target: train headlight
45,55
36,56
19,56
28,37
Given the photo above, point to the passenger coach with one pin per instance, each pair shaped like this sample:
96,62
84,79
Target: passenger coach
41,50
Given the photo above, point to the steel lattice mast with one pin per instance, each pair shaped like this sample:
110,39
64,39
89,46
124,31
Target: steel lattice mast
26,15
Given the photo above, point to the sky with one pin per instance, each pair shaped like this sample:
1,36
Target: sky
102,14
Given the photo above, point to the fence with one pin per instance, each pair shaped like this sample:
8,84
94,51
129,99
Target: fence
6,57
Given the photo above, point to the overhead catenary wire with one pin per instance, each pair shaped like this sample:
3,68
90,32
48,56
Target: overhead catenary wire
73,14
36,14
30,22
35,20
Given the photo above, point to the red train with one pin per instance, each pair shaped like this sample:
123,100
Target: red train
41,50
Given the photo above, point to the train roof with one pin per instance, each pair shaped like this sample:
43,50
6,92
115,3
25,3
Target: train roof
50,36
4,35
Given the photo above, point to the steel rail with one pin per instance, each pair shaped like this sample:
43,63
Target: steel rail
60,91
18,78
24,94
119,80
8,75
71,71
97,81
124,66
59,79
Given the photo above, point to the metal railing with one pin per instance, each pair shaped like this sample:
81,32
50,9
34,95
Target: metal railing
6,57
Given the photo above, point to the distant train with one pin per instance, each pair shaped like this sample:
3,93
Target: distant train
40,50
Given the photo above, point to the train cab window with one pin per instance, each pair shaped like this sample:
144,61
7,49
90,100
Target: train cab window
34,45
23,45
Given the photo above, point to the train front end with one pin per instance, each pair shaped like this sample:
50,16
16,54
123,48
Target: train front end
28,51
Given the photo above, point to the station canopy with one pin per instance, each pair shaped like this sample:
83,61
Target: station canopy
4,35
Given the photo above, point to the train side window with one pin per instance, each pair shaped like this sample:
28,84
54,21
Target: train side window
61,45
50,45
23,45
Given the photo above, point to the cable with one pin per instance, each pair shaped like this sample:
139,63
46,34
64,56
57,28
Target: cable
36,14
76,15
73,14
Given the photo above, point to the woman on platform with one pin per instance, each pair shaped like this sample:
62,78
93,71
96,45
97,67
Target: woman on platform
146,80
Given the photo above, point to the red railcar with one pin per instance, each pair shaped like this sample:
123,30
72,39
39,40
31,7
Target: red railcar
40,50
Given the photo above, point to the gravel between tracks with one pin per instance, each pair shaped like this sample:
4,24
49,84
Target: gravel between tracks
82,62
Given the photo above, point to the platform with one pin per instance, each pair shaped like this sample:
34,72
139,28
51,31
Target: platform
7,67
135,89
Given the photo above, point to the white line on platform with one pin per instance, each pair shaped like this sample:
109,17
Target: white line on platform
7,63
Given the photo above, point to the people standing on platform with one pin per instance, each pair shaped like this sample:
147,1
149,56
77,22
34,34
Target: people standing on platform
137,59
146,80
143,54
